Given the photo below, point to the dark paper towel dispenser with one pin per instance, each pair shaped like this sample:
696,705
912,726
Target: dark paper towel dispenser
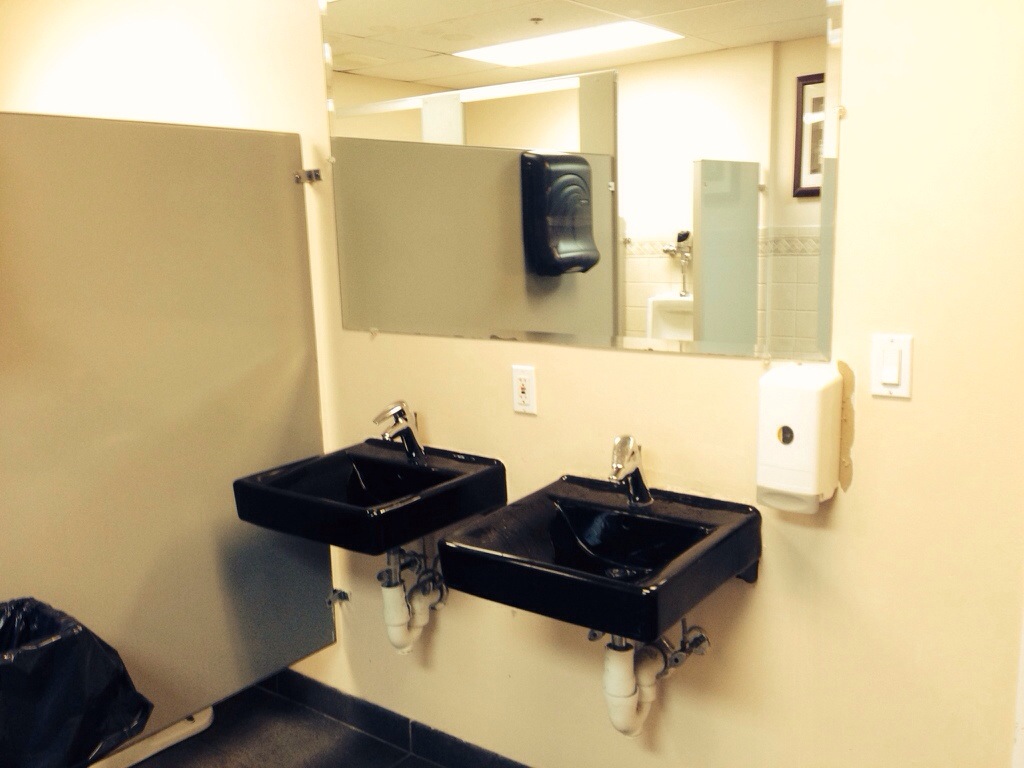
558,232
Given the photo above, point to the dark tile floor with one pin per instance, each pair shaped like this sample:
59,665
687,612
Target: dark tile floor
259,729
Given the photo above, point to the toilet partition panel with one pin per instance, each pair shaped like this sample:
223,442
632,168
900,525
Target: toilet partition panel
156,342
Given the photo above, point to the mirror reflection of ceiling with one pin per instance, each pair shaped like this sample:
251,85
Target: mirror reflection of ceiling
413,41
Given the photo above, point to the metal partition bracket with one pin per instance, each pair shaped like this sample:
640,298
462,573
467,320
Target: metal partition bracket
308,176
338,596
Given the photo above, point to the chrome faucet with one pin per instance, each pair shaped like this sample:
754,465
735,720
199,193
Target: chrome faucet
402,429
627,470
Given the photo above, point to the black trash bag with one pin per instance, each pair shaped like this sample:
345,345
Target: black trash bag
66,698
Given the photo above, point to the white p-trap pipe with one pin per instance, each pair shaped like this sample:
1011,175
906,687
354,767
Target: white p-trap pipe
631,684
405,618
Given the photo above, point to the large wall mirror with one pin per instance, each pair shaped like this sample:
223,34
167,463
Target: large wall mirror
697,135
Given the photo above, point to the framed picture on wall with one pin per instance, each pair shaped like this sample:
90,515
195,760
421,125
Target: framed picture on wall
810,129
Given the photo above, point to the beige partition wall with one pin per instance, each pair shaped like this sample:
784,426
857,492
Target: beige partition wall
156,342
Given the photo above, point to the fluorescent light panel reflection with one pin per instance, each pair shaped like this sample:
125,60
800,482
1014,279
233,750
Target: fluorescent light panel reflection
571,45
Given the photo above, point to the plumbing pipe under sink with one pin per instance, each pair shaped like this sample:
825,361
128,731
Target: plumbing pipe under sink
407,610
405,619
631,683
632,672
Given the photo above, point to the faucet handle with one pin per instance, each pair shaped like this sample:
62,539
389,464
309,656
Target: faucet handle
627,470
398,410
625,452
402,428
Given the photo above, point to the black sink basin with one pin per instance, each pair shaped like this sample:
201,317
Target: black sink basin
371,497
576,551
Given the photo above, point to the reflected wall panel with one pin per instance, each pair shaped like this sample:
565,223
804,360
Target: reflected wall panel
430,241
725,221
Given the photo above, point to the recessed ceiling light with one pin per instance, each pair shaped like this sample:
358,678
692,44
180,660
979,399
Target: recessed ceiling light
571,45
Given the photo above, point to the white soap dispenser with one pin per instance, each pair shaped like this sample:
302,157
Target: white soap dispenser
800,415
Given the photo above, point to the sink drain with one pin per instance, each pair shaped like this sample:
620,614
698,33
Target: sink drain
619,572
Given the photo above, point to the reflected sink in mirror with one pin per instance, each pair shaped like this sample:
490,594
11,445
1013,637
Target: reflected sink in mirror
576,551
371,497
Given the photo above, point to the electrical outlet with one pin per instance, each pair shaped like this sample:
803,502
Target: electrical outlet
524,389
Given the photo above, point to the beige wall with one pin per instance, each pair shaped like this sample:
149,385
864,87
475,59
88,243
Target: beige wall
349,90
540,121
883,632
713,106
535,121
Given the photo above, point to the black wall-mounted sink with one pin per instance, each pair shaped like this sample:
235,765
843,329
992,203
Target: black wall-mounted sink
576,551
371,497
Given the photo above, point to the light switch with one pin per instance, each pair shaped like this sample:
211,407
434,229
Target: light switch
891,356
890,364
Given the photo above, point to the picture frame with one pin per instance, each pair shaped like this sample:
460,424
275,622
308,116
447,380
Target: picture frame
810,129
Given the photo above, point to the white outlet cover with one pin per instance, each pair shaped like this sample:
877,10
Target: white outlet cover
524,389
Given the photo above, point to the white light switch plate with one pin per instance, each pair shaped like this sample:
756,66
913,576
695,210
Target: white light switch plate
890,364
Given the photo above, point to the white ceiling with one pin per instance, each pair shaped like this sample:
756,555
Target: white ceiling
412,40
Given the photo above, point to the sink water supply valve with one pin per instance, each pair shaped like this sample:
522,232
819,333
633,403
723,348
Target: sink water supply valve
632,672
407,610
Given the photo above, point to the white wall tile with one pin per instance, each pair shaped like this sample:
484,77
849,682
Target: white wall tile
807,269
782,269
807,296
636,321
807,325
783,323
782,296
